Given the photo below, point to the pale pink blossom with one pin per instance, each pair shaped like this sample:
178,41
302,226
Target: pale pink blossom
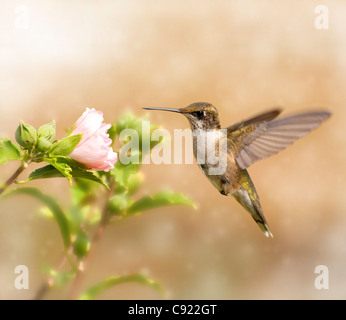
94,150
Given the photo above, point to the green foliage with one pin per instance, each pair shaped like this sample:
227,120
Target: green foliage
62,167
9,151
142,129
40,146
65,167
162,198
60,278
97,198
99,288
53,206
66,145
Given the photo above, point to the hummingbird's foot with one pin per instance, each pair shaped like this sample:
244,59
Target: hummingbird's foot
223,193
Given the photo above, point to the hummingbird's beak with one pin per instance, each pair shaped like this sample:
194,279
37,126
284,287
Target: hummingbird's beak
164,109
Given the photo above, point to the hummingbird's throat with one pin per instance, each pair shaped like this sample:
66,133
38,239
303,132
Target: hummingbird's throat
210,150
205,124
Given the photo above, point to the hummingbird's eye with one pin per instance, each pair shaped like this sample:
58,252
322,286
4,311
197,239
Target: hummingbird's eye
199,114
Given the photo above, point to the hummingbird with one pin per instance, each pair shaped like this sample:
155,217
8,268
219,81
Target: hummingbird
247,141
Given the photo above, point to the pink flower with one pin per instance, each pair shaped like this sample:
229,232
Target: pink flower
94,150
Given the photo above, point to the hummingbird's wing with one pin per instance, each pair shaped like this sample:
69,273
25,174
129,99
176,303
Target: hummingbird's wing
261,139
253,121
238,131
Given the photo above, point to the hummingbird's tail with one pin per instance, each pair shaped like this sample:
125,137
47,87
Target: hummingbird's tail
248,198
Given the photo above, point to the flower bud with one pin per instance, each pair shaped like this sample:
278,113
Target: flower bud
81,245
47,131
117,204
26,135
43,144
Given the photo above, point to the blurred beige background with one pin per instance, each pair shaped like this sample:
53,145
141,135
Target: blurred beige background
242,56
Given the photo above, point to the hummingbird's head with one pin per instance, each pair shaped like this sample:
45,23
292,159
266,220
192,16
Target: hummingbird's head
201,115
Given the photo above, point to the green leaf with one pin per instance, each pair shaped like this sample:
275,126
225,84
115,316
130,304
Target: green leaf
8,151
53,205
83,191
89,175
66,145
45,212
129,121
78,171
125,121
99,288
121,173
62,167
45,173
71,162
81,171
162,198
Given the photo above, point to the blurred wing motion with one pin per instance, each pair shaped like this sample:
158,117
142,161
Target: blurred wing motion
261,137
253,122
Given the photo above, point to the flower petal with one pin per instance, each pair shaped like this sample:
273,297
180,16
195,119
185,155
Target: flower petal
94,149
88,123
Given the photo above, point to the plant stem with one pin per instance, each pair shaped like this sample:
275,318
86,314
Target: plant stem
41,292
14,177
97,236
80,273
48,284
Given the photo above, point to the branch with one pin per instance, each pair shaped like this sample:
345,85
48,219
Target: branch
14,177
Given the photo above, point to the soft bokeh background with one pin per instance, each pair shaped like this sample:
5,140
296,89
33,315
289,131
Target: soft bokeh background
242,56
